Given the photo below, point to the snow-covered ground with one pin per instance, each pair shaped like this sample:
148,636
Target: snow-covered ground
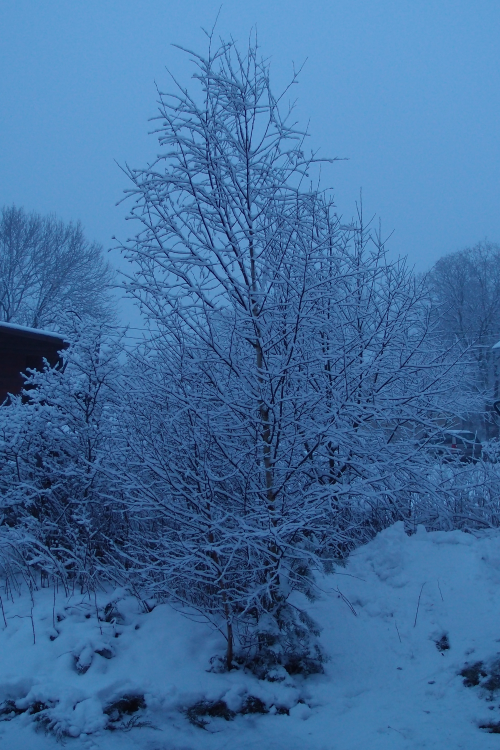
386,685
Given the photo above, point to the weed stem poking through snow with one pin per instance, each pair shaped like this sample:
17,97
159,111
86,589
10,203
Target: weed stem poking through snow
418,603
397,631
440,592
346,600
3,611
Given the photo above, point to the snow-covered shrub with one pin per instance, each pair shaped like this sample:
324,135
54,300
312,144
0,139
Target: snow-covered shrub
491,450
467,496
58,512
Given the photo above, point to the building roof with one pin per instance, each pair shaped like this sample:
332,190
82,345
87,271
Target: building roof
37,334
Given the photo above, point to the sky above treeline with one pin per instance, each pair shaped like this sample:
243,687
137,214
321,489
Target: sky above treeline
406,91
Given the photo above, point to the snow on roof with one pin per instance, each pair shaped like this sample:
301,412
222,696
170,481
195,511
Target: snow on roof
31,331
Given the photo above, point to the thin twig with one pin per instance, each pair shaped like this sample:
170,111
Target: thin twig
418,604
54,607
395,730
33,626
26,617
346,600
397,630
97,611
3,611
439,587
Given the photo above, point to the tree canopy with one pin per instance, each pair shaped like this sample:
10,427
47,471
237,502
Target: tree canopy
47,269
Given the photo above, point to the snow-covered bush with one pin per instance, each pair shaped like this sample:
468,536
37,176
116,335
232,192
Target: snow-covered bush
58,512
467,497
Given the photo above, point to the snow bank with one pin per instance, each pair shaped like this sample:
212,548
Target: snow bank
400,623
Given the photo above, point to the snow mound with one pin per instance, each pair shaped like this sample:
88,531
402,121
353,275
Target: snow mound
411,626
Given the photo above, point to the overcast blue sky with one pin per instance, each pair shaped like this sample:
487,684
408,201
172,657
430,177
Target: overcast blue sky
407,90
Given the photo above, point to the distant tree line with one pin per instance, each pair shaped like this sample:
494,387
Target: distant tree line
47,269
465,293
